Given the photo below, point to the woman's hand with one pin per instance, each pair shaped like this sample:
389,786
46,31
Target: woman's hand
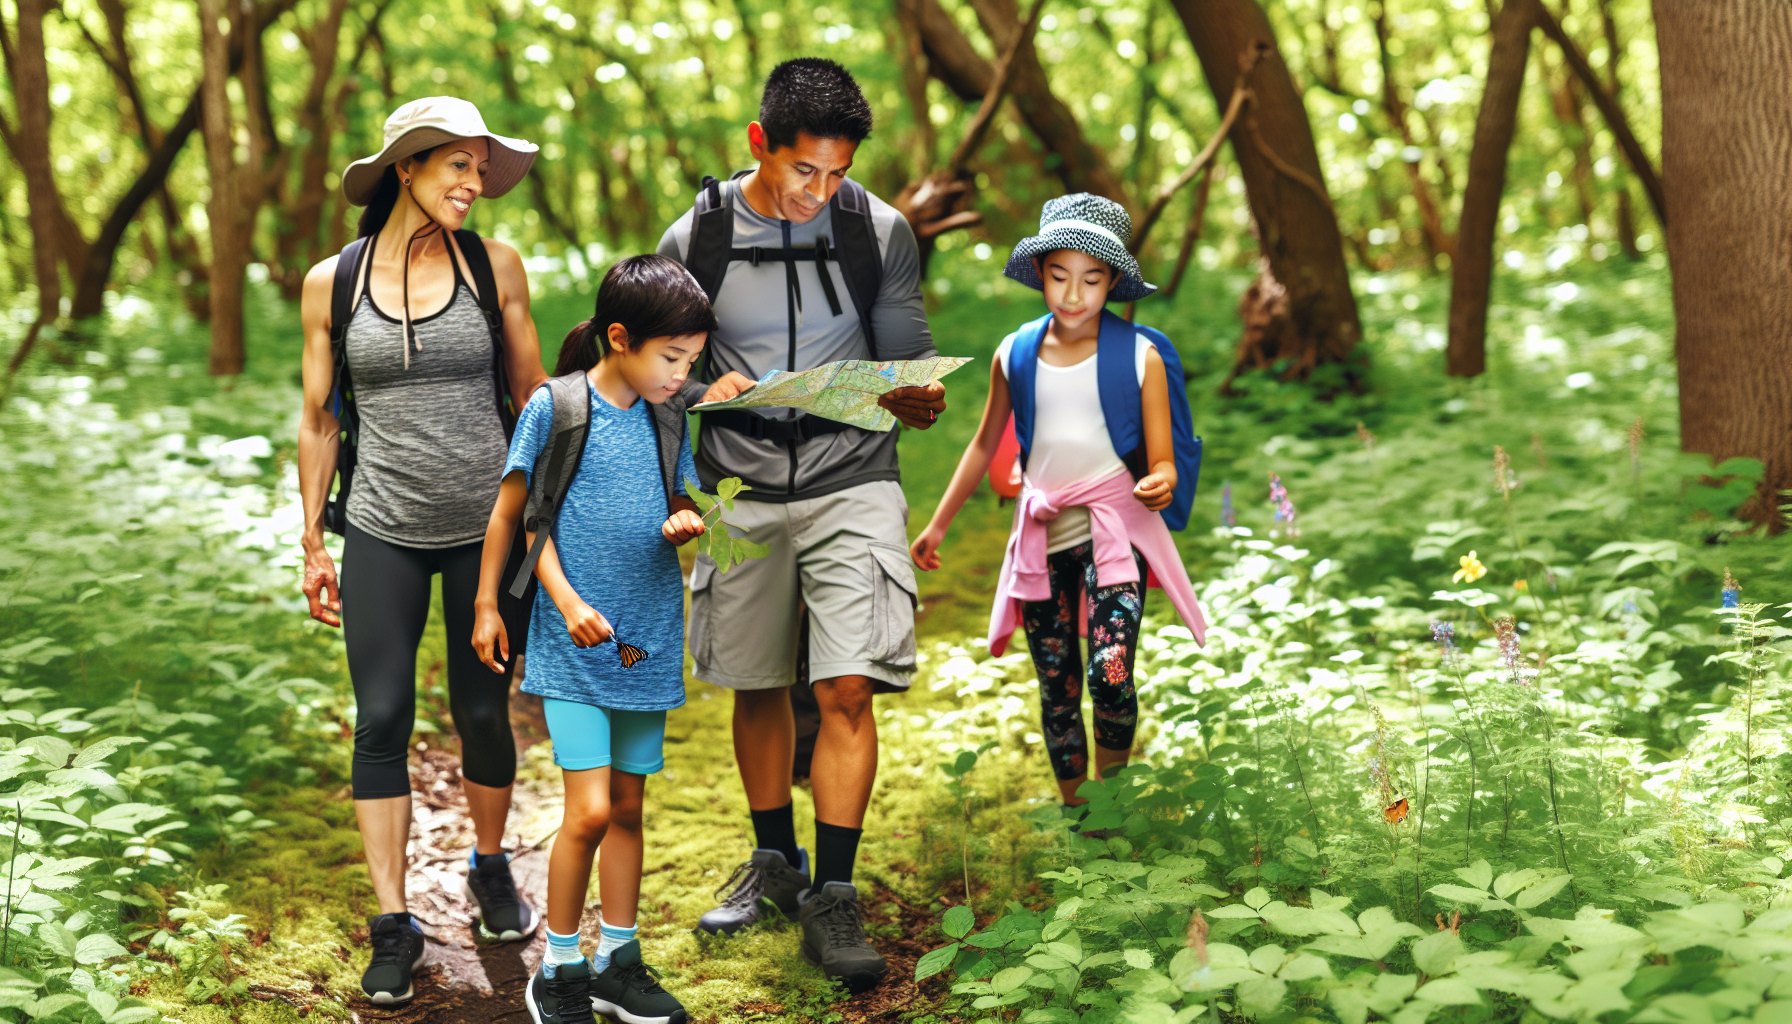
587,626
926,548
1154,491
321,587
488,633
681,526
727,386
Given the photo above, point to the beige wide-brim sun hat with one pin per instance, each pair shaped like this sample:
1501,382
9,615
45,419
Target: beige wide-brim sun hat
427,123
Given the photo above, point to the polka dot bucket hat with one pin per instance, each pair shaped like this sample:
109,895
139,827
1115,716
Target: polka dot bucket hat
1089,224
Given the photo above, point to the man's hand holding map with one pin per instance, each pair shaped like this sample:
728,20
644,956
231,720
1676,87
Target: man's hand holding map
846,391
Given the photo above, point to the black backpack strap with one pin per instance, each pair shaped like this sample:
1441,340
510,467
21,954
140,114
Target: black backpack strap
855,246
555,468
712,238
479,265
669,430
344,294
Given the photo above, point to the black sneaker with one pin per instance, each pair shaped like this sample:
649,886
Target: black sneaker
563,997
398,951
766,878
504,916
834,937
630,991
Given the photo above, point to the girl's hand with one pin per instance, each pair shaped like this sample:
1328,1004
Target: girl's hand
926,548
587,626
488,633
681,526
321,587
1154,491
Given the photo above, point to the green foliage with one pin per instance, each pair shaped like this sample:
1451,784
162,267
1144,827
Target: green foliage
719,541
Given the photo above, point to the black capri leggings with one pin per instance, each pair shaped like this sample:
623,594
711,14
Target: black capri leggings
385,603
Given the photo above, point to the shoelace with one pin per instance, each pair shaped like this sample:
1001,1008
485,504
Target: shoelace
639,975
497,890
574,990
841,919
749,884
391,947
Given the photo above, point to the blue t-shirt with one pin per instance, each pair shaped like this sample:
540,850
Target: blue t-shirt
609,543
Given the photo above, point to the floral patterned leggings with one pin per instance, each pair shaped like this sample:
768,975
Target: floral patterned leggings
1114,614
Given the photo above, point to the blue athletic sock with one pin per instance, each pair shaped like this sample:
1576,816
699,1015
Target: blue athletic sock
610,939
475,859
562,949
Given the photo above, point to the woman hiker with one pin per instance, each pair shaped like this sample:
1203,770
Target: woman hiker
423,384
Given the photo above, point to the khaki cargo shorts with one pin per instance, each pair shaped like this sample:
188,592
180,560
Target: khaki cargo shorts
843,555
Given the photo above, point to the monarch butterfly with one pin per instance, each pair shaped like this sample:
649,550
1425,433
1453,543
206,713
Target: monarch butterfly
631,655
1396,812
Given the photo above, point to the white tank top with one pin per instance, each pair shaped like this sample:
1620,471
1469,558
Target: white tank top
1070,436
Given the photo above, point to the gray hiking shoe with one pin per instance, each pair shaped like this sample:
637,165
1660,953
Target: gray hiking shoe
834,937
766,879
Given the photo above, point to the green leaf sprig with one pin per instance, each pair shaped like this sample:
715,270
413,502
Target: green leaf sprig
721,545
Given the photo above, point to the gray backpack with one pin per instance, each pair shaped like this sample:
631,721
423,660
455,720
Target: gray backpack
558,462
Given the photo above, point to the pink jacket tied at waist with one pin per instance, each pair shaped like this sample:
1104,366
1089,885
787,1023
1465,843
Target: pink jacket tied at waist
1118,523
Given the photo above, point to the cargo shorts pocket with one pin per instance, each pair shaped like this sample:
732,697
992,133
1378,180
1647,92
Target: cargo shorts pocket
700,637
893,598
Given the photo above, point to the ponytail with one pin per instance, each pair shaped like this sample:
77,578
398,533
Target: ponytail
580,351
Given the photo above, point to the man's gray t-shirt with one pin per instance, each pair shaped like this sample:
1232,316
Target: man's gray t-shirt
754,339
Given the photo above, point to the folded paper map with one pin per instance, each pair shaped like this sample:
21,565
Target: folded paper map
846,391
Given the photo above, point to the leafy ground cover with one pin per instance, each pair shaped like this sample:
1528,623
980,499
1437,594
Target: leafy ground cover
1591,771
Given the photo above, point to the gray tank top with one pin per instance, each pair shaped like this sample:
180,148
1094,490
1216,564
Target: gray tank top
432,447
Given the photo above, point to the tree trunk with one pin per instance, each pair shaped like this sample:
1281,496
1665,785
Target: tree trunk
297,247
1565,100
1431,218
1726,127
1626,219
1471,277
1304,283
952,59
31,85
90,290
230,250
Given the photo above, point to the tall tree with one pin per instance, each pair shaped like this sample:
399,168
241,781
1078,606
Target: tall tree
1300,313
1726,130
31,91
1430,215
1614,49
237,190
297,245
1471,276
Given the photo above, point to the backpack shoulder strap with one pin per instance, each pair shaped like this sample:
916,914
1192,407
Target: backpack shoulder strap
555,467
1023,370
712,237
669,431
1182,429
855,242
1117,379
345,289
485,285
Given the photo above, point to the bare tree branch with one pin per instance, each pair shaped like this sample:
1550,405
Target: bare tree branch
1609,109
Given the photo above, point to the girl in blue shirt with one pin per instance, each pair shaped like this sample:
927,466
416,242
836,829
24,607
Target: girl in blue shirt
609,572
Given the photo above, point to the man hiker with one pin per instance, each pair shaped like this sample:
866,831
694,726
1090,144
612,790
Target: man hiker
804,267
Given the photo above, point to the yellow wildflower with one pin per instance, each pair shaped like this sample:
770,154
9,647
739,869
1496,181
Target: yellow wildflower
1471,570
1521,586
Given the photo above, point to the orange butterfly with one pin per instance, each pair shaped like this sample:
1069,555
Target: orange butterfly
1396,812
631,655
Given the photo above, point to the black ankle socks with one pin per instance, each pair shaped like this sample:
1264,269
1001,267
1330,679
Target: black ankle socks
776,830
836,847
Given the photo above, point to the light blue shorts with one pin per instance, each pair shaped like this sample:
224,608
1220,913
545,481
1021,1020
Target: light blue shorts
586,736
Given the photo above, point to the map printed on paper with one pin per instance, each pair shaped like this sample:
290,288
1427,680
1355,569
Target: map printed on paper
846,391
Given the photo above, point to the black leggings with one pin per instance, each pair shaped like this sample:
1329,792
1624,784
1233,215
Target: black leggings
1051,626
385,603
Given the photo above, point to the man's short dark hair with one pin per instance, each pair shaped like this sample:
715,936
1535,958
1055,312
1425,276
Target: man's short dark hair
813,95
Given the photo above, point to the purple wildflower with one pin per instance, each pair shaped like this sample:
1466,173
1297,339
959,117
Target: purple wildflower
1228,515
1278,496
1506,630
1732,590
1445,635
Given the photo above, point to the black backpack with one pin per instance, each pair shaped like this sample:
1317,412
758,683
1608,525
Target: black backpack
854,247
559,460
345,295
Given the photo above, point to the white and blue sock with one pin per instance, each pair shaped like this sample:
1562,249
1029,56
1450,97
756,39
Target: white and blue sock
610,939
562,949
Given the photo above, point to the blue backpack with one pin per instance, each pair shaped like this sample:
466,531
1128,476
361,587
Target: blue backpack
1117,377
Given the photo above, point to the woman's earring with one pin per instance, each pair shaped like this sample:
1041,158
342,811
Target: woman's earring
406,183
